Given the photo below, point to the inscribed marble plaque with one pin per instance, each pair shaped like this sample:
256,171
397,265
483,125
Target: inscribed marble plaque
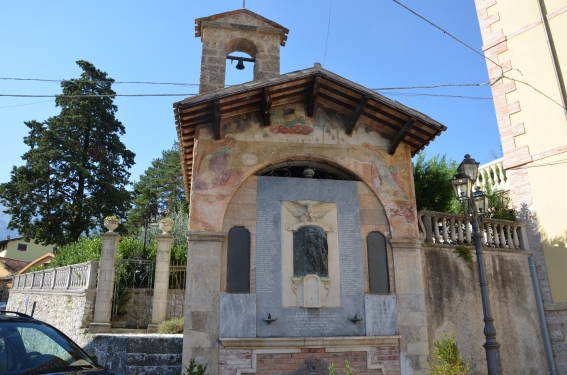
381,315
298,321
237,315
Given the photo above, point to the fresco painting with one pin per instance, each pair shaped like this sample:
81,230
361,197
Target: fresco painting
225,164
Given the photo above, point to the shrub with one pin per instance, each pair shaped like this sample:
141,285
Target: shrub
171,326
333,370
194,369
466,254
445,358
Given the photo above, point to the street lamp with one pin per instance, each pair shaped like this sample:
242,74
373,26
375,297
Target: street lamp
474,206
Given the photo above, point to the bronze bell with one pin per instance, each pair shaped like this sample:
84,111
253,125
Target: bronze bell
240,65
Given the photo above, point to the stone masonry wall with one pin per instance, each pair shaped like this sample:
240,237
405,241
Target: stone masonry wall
383,360
453,300
136,354
68,312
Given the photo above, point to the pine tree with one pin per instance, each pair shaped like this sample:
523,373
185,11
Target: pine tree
76,170
160,190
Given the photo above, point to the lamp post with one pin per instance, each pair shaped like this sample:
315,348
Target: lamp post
474,205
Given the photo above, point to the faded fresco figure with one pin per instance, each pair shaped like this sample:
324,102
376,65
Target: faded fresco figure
310,251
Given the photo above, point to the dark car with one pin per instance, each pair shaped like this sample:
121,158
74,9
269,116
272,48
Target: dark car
31,347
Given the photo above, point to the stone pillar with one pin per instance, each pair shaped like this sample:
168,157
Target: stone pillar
410,294
105,288
202,299
161,281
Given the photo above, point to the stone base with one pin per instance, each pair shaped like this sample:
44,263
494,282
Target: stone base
153,328
99,328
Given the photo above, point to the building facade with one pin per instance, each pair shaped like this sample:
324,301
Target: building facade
304,244
525,42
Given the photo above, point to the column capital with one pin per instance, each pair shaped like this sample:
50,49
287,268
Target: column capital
164,237
405,242
209,236
111,235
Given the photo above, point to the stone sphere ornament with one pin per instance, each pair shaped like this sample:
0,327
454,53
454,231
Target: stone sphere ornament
165,225
111,223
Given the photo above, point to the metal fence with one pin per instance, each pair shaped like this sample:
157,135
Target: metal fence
176,297
130,274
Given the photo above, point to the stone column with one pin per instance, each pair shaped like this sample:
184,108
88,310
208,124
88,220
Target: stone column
410,294
161,281
105,288
202,299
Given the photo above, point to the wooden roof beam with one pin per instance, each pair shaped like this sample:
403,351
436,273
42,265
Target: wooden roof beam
312,97
395,142
216,119
266,106
356,115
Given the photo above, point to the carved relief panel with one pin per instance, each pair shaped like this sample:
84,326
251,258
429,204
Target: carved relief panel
310,257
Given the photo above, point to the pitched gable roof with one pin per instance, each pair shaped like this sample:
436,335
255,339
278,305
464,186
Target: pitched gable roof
13,265
314,86
199,22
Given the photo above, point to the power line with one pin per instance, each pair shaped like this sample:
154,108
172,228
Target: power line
502,75
439,95
116,82
328,29
449,34
20,105
88,95
434,86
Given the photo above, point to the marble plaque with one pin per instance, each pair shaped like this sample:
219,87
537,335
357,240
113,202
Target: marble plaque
237,315
381,315
298,321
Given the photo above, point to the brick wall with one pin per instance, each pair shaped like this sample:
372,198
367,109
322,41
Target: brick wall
363,360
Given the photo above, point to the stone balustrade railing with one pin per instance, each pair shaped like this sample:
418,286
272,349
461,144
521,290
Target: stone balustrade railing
449,229
492,173
75,277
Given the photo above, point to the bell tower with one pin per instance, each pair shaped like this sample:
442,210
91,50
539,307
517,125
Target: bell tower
238,31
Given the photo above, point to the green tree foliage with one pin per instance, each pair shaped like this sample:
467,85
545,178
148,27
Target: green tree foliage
432,178
445,358
179,249
160,190
76,170
499,203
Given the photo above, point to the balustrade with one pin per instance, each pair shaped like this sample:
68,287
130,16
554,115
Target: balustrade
74,277
492,173
449,229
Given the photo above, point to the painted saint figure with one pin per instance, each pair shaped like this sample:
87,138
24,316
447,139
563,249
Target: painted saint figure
310,251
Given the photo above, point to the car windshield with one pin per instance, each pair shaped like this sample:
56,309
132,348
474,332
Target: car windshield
30,348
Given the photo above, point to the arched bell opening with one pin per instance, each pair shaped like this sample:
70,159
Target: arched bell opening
240,61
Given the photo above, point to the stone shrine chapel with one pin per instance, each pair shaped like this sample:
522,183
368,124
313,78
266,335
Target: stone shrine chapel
303,234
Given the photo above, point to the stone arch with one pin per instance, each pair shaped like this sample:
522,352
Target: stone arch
337,164
241,45
245,46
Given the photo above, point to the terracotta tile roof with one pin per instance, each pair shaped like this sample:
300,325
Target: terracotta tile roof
13,265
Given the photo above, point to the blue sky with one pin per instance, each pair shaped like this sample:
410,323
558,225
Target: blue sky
375,43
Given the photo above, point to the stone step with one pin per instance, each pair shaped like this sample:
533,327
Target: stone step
128,331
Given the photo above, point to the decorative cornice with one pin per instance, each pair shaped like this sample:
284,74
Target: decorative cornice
194,235
308,342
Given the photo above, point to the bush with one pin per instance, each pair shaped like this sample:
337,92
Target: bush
445,358
194,369
171,326
333,370
78,252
